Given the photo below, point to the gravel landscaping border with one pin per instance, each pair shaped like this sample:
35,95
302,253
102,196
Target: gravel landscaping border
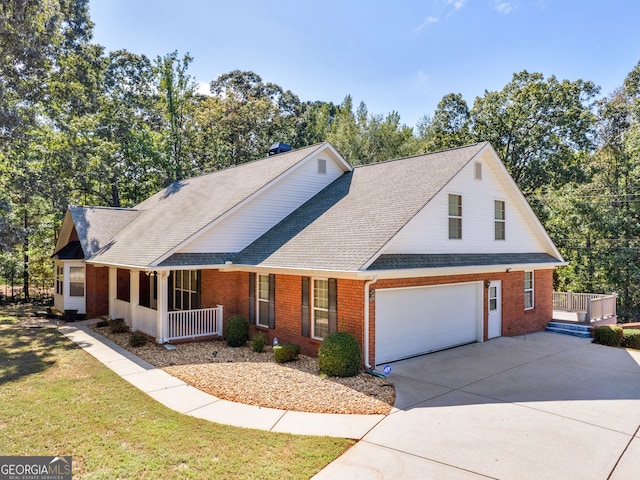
241,375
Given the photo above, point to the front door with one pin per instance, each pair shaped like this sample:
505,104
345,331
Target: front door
495,309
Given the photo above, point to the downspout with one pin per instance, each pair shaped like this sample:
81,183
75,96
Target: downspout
366,320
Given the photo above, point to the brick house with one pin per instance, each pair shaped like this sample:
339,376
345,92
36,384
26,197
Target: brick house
411,255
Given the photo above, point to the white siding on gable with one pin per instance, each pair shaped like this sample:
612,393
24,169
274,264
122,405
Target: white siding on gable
255,218
427,232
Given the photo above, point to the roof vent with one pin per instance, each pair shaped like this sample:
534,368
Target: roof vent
279,148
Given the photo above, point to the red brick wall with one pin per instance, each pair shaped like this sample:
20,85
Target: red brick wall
232,291
515,319
97,298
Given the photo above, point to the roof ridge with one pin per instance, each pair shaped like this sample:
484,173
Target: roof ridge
102,207
420,155
255,160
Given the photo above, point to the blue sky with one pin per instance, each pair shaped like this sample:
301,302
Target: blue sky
401,55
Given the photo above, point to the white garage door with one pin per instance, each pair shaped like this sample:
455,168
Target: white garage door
413,321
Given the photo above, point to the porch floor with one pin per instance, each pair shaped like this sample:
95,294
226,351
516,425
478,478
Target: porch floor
572,317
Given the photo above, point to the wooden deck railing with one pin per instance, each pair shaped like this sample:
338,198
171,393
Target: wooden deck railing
594,306
194,323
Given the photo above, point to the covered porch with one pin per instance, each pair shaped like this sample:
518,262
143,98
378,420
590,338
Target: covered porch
584,308
162,304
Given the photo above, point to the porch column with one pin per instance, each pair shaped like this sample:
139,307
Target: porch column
113,291
163,306
134,297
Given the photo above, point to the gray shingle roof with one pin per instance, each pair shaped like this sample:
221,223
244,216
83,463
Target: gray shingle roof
346,224
97,226
401,262
176,213
196,259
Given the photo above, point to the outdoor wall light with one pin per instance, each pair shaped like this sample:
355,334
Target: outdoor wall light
508,270
372,295
487,283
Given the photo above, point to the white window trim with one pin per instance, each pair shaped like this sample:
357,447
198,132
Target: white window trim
449,216
503,221
313,306
84,281
60,279
532,290
258,300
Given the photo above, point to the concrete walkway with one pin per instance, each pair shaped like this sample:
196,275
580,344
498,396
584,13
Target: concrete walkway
547,406
183,398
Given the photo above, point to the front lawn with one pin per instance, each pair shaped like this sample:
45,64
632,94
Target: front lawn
58,400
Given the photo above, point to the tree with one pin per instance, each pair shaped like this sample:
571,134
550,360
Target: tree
122,163
449,127
250,115
596,225
176,89
46,77
538,127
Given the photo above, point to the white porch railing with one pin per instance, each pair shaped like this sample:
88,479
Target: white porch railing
594,306
194,323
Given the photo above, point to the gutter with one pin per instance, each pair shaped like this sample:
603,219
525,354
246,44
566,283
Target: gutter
366,320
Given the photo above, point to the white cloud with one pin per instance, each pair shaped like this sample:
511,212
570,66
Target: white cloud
203,88
443,9
426,22
502,7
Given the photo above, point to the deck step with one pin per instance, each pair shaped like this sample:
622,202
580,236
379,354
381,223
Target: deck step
576,330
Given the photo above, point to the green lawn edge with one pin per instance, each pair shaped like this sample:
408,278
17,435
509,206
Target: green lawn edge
58,400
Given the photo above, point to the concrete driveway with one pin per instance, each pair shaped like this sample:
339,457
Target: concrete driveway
547,406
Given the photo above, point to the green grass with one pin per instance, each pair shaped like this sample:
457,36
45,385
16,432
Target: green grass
58,400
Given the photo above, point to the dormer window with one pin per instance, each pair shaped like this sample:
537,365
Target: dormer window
455,217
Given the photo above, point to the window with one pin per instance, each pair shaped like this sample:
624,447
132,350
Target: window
322,165
320,320
59,280
455,217
478,171
499,222
123,285
148,290
76,281
185,290
528,290
262,310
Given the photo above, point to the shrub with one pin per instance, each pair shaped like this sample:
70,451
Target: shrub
286,352
339,355
137,339
237,331
117,325
258,341
631,339
610,335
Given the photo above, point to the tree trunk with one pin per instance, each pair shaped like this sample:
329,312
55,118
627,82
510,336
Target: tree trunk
115,195
25,258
